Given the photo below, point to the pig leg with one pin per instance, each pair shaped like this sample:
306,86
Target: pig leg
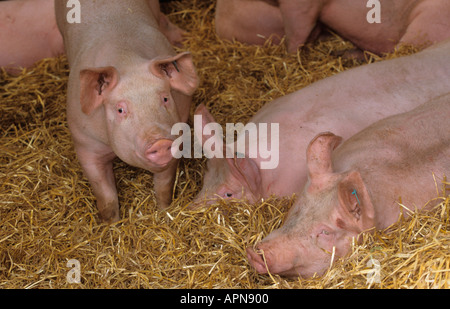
28,33
430,25
249,21
300,19
98,169
163,184
173,33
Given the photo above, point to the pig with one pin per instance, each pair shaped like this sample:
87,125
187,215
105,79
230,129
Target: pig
344,103
375,26
126,89
29,33
356,186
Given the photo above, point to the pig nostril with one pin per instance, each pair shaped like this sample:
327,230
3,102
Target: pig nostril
160,152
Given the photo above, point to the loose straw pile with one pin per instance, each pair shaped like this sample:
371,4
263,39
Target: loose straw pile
48,214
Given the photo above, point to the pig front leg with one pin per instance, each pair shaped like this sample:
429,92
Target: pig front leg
98,169
163,184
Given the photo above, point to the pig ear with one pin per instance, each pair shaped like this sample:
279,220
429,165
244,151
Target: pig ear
355,200
247,172
95,84
318,154
179,70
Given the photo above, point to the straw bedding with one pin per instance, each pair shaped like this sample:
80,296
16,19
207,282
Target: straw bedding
48,214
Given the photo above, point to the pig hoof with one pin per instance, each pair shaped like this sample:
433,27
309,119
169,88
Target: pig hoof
109,216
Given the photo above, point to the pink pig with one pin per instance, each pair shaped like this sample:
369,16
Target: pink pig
344,103
374,25
127,87
357,186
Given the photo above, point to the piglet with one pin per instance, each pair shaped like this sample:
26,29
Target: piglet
127,87
356,187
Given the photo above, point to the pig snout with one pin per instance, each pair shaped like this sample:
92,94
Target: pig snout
266,258
256,260
278,256
159,152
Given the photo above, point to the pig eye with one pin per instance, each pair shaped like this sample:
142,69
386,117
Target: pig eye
325,232
165,99
121,109
228,195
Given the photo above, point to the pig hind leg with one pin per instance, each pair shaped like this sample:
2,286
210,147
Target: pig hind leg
172,32
249,21
431,24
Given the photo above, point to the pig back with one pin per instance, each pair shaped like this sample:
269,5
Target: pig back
405,136
107,22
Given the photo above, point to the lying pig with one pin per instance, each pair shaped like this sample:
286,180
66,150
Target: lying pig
127,87
29,33
357,186
344,103
376,26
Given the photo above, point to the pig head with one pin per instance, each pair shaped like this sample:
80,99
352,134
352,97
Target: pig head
333,209
226,178
139,108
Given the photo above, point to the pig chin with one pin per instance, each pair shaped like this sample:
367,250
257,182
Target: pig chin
317,268
303,271
288,263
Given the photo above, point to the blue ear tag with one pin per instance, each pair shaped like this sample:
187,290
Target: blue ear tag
175,65
356,195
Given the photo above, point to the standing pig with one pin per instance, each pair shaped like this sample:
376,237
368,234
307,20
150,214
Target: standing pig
356,187
127,87
376,26
344,103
